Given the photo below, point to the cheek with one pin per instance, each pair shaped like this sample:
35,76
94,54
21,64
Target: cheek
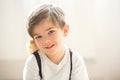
57,37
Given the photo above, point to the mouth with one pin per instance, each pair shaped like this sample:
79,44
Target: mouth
49,47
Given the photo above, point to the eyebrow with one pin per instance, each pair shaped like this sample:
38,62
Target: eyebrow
45,30
49,28
36,35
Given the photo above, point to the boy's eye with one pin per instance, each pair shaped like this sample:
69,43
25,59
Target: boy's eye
38,37
52,31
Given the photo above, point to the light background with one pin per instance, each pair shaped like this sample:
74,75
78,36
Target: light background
94,33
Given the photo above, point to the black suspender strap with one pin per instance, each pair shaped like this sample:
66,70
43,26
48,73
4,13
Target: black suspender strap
37,56
39,62
70,64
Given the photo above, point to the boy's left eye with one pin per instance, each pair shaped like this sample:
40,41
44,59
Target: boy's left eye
52,31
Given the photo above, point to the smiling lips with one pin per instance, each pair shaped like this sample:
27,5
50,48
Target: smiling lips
49,47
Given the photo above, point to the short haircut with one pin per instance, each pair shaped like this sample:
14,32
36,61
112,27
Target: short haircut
46,11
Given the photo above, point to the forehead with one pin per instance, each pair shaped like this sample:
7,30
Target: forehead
45,22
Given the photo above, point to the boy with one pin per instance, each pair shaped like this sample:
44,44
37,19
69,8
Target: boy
51,59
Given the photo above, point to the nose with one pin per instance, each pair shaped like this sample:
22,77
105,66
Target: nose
46,40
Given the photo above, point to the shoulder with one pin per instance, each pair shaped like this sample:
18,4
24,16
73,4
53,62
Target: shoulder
79,69
77,58
30,58
30,71
31,61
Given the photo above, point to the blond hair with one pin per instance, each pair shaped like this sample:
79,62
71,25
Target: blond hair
31,46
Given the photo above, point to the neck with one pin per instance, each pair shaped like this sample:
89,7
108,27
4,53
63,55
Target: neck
58,56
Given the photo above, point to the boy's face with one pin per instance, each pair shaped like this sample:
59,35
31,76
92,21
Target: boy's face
49,38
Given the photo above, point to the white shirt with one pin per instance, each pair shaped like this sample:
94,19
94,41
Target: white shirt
52,71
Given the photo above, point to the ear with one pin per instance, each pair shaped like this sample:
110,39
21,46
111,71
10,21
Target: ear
65,29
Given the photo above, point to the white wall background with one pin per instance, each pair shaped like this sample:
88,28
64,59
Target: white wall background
94,32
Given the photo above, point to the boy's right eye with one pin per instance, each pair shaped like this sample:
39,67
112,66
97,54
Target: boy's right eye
38,37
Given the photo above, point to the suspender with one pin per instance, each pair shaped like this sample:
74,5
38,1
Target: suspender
70,63
39,62
37,56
